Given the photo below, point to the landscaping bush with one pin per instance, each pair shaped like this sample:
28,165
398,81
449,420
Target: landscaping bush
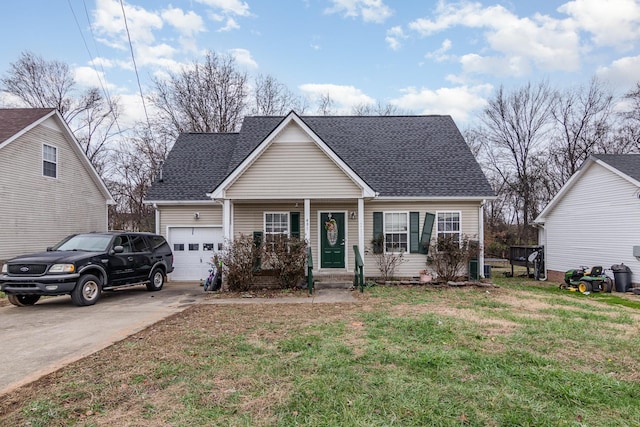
287,257
450,257
239,259
387,262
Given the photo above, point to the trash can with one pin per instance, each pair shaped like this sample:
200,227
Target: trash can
622,277
487,271
473,270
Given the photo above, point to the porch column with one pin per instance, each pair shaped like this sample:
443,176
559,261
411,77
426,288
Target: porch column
361,229
307,220
226,219
481,240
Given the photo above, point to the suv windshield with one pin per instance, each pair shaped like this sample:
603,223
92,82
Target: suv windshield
85,242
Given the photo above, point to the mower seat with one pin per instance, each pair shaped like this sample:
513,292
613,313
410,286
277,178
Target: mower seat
596,271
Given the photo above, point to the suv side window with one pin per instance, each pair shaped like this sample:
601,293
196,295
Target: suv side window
157,241
123,241
139,243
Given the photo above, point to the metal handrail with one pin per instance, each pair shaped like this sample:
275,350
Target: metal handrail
309,271
358,271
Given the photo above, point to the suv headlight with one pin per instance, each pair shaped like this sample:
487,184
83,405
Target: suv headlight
5,269
62,268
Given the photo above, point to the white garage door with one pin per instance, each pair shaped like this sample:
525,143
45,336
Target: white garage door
193,248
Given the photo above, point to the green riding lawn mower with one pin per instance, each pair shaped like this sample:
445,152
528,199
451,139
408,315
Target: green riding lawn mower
587,280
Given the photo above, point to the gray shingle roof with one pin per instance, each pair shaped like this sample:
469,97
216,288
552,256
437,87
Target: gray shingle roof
397,156
628,164
13,120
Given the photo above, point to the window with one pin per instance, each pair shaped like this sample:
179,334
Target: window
139,243
178,247
194,246
449,225
49,161
396,231
276,224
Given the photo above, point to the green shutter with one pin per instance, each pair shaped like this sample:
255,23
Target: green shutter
295,224
427,228
378,236
414,232
257,243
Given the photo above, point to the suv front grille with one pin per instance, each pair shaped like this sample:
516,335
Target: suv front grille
27,269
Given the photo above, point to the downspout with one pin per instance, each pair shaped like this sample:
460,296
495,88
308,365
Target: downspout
157,219
481,239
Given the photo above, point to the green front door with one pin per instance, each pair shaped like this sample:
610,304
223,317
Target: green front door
332,240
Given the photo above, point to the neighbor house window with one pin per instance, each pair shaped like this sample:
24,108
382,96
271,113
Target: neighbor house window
276,224
449,225
396,231
49,161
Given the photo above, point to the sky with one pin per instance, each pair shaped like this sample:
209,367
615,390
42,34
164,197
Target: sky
424,57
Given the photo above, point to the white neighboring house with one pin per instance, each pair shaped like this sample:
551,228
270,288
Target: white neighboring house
48,187
595,217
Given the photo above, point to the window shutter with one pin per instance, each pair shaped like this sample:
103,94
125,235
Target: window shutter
378,236
257,243
294,218
427,229
414,232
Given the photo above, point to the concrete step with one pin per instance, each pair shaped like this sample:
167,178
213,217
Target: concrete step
332,284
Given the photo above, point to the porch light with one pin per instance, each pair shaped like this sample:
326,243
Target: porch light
353,215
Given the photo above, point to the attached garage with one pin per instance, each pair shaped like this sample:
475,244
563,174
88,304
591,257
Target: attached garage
193,250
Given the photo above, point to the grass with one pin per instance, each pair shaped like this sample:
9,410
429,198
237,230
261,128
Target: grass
523,354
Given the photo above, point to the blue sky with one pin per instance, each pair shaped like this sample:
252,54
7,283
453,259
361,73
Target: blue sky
425,57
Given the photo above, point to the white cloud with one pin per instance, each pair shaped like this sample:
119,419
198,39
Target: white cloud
243,57
369,10
187,24
459,102
344,97
231,24
622,73
109,22
234,7
89,77
440,54
611,23
394,37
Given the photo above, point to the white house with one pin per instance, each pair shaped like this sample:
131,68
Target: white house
48,187
403,177
595,217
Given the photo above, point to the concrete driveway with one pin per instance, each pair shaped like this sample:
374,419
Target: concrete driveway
37,340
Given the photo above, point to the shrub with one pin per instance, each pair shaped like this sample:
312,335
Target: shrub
287,257
239,259
450,256
387,262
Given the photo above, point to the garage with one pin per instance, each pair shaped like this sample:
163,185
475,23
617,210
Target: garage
193,248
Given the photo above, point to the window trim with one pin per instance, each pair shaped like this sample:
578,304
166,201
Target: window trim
264,223
459,232
407,232
55,162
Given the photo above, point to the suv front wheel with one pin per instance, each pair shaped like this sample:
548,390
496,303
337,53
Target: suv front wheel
23,300
87,290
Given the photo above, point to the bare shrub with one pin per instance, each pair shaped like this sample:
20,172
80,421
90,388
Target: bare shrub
387,262
450,256
287,257
238,260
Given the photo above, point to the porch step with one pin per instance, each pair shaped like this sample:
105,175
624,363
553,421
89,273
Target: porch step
332,284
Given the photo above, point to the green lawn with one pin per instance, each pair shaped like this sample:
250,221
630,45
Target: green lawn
523,354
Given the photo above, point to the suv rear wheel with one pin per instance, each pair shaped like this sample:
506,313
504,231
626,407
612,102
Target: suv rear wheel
87,290
23,300
157,280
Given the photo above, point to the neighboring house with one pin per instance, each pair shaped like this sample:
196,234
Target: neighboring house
48,188
595,217
296,175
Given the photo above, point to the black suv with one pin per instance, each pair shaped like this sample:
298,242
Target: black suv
83,265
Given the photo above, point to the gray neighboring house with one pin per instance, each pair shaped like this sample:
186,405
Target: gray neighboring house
335,181
48,187
595,217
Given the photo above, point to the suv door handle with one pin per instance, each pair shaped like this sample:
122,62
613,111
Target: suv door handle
130,258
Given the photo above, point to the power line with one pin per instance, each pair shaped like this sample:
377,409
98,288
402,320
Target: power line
135,67
102,85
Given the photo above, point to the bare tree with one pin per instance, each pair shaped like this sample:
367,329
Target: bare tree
135,165
515,127
628,135
272,98
205,97
325,105
583,121
377,109
50,84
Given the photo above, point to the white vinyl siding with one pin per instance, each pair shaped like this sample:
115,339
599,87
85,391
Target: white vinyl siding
597,222
184,215
293,166
36,211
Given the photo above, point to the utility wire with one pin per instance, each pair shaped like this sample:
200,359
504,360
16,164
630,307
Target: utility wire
102,85
135,67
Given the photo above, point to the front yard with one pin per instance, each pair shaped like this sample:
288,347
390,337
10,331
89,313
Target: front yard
522,354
